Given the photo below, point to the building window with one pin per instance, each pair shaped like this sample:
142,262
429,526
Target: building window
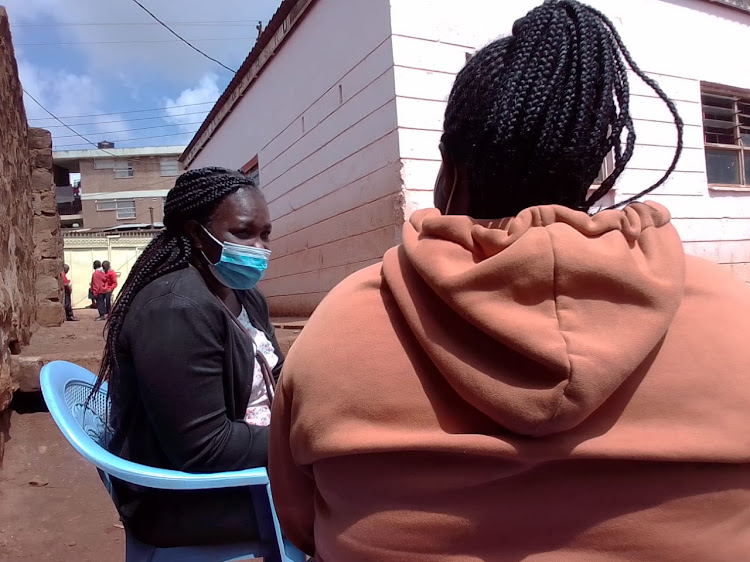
254,175
252,169
169,167
608,166
726,131
104,164
125,208
123,169
106,205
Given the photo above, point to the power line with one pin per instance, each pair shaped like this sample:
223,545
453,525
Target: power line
127,112
135,42
136,129
58,119
173,32
123,120
238,23
127,140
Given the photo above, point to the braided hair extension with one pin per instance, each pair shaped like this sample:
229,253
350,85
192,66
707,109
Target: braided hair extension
195,196
533,116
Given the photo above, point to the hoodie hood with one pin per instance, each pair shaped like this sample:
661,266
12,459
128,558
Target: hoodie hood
536,320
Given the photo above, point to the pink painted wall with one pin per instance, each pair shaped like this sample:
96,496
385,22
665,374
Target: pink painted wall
678,42
322,119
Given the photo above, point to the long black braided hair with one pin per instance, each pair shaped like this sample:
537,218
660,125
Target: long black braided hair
533,116
195,196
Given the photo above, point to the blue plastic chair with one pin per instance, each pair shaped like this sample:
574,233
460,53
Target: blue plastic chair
66,388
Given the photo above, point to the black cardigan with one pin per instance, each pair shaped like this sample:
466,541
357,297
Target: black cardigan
185,378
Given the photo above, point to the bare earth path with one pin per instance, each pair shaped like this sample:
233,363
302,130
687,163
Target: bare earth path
53,506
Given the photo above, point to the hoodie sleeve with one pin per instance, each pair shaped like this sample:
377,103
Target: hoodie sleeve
293,486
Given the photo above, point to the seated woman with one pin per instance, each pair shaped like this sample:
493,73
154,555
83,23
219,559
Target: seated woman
554,385
191,359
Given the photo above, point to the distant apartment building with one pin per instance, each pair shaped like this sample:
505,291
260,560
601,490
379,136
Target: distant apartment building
118,187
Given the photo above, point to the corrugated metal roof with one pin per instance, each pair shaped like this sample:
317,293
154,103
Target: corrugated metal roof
279,28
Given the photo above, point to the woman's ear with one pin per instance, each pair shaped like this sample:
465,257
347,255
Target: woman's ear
451,189
193,231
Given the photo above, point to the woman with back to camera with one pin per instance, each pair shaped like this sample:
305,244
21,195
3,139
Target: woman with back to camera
522,379
190,360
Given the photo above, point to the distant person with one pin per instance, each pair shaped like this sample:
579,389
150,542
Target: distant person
110,277
92,297
191,359
99,288
525,378
67,295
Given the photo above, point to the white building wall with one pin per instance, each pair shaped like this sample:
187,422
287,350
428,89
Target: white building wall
678,42
322,119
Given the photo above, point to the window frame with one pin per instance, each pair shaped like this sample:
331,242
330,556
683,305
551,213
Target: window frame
101,205
170,160
252,169
741,150
129,169
104,163
119,207
127,208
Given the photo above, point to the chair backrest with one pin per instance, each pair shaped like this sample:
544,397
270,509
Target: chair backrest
83,420
90,411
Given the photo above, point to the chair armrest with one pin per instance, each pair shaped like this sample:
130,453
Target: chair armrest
173,479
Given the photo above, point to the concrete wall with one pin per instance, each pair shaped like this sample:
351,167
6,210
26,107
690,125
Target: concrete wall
321,118
678,42
16,223
105,219
48,244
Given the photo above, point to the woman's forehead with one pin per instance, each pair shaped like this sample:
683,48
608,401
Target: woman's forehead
243,205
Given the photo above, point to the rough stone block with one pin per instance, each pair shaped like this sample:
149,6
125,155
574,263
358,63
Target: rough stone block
43,159
50,314
25,370
40,139
48,288
44,204
47,246
44,224
41,180
49,268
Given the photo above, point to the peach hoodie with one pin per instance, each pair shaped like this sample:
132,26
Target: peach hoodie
552,387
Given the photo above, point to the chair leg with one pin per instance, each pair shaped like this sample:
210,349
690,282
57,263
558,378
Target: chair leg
264,518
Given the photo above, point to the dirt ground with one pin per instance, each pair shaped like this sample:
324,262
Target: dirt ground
53,506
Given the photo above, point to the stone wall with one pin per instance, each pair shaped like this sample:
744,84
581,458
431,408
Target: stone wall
48,241
17,270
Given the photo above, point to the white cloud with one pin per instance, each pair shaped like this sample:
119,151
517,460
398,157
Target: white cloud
66,95
130,64
184,110
230,41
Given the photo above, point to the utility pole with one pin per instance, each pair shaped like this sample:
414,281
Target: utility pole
151,211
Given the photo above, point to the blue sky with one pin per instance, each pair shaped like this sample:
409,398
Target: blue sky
107,61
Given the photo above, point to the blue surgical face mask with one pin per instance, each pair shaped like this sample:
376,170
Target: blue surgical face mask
240,267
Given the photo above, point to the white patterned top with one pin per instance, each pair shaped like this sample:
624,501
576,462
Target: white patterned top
258,411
